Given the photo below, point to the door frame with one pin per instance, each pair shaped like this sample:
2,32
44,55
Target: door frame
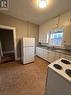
14,36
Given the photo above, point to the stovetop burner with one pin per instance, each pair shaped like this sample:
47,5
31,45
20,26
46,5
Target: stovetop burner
68,72
65,61
57,66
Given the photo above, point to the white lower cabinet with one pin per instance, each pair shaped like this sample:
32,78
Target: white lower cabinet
50,55
39,52
43,53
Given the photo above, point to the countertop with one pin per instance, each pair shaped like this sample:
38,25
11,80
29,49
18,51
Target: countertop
59,50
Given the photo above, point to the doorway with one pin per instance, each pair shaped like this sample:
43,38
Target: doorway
7,44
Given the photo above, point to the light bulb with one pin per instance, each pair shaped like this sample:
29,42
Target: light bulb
42,3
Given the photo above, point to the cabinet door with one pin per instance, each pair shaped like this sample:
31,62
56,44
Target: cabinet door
40,36
45,54
42,33
68,57
67,35
41,52
45,28
51,56
46,36
37,51
43,36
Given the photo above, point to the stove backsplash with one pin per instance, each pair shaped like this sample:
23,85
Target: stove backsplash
68,47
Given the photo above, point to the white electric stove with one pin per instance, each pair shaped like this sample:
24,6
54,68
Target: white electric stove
59,78
62,67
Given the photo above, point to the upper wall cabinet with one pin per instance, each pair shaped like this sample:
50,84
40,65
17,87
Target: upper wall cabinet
65,19
42,36
67,35
45,28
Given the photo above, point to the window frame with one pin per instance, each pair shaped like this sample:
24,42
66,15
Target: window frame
56,31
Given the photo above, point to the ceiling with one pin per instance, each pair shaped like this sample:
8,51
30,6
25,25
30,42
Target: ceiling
29,11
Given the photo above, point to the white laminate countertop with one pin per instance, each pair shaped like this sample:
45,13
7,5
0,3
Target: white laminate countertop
63,51
62,71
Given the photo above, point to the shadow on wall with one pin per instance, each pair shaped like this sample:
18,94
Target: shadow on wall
19,48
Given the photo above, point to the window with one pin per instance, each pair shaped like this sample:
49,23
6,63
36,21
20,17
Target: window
56,38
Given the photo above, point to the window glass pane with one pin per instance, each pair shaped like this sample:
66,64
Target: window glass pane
56,38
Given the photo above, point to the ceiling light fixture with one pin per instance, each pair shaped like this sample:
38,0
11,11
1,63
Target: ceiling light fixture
42,3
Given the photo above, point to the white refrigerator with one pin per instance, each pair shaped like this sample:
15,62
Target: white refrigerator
27,50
